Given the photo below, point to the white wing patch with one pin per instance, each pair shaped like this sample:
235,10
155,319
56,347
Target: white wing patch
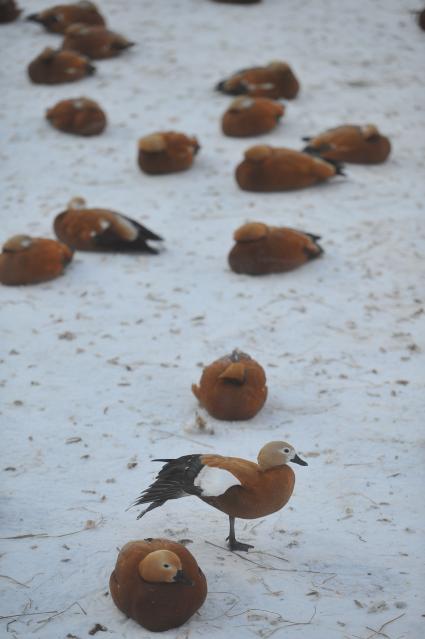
215,481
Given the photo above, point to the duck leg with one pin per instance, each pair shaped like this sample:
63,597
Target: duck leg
233,543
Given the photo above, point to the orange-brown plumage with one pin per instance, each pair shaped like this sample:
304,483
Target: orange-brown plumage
166,152
57,66
30,260
157,605
79,116
262,249
9,11
232,388
248,116
261,493
276,80
237,487
279,169
58,18
96,42
351,143
95,229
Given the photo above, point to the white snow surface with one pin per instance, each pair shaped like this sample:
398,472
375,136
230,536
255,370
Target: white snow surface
97,365
215,481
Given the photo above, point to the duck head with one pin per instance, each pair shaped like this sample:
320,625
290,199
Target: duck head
278,454
163,566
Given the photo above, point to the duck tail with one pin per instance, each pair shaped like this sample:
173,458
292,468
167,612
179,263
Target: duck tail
174,480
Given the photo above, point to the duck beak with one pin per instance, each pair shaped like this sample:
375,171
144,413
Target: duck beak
180,578
298,460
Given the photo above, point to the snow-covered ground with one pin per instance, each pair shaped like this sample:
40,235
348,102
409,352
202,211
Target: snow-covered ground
96,366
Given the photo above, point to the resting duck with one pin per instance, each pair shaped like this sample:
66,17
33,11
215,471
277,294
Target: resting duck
276,80
237,487
166,152
85,229
30,260
57,66
8,11
278,169
351,143
79,116
248,116
232,388
58,18
97,43
262,249
157,583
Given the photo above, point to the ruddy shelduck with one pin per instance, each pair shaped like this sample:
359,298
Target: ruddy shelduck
351,143
166,152
237,487
94,229
248,116
9,11
232,388
276,80
266,168
79,116
158,583
58,18
262,249
97,43
57,66
30,260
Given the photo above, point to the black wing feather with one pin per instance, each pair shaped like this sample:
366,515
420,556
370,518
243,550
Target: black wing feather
174,480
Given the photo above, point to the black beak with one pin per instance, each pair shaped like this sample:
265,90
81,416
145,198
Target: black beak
33,17
180,578
298,460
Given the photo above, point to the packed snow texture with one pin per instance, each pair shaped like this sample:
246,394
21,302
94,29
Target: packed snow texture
97,365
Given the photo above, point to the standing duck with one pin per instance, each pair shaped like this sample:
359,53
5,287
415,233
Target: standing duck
351,143
78,116
248,116
58,18
57,66
237,487
97,43
278,169
262,249
232,388
85,229
9,11
158,583
276,80
166,152
31,260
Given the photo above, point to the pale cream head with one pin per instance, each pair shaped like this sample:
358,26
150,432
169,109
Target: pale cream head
17,243
160,566
369,131
76,203
242,103
278,65
278,454
154,143
251,232
258,153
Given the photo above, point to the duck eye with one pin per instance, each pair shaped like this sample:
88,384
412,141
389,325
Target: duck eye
166,565
286,450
